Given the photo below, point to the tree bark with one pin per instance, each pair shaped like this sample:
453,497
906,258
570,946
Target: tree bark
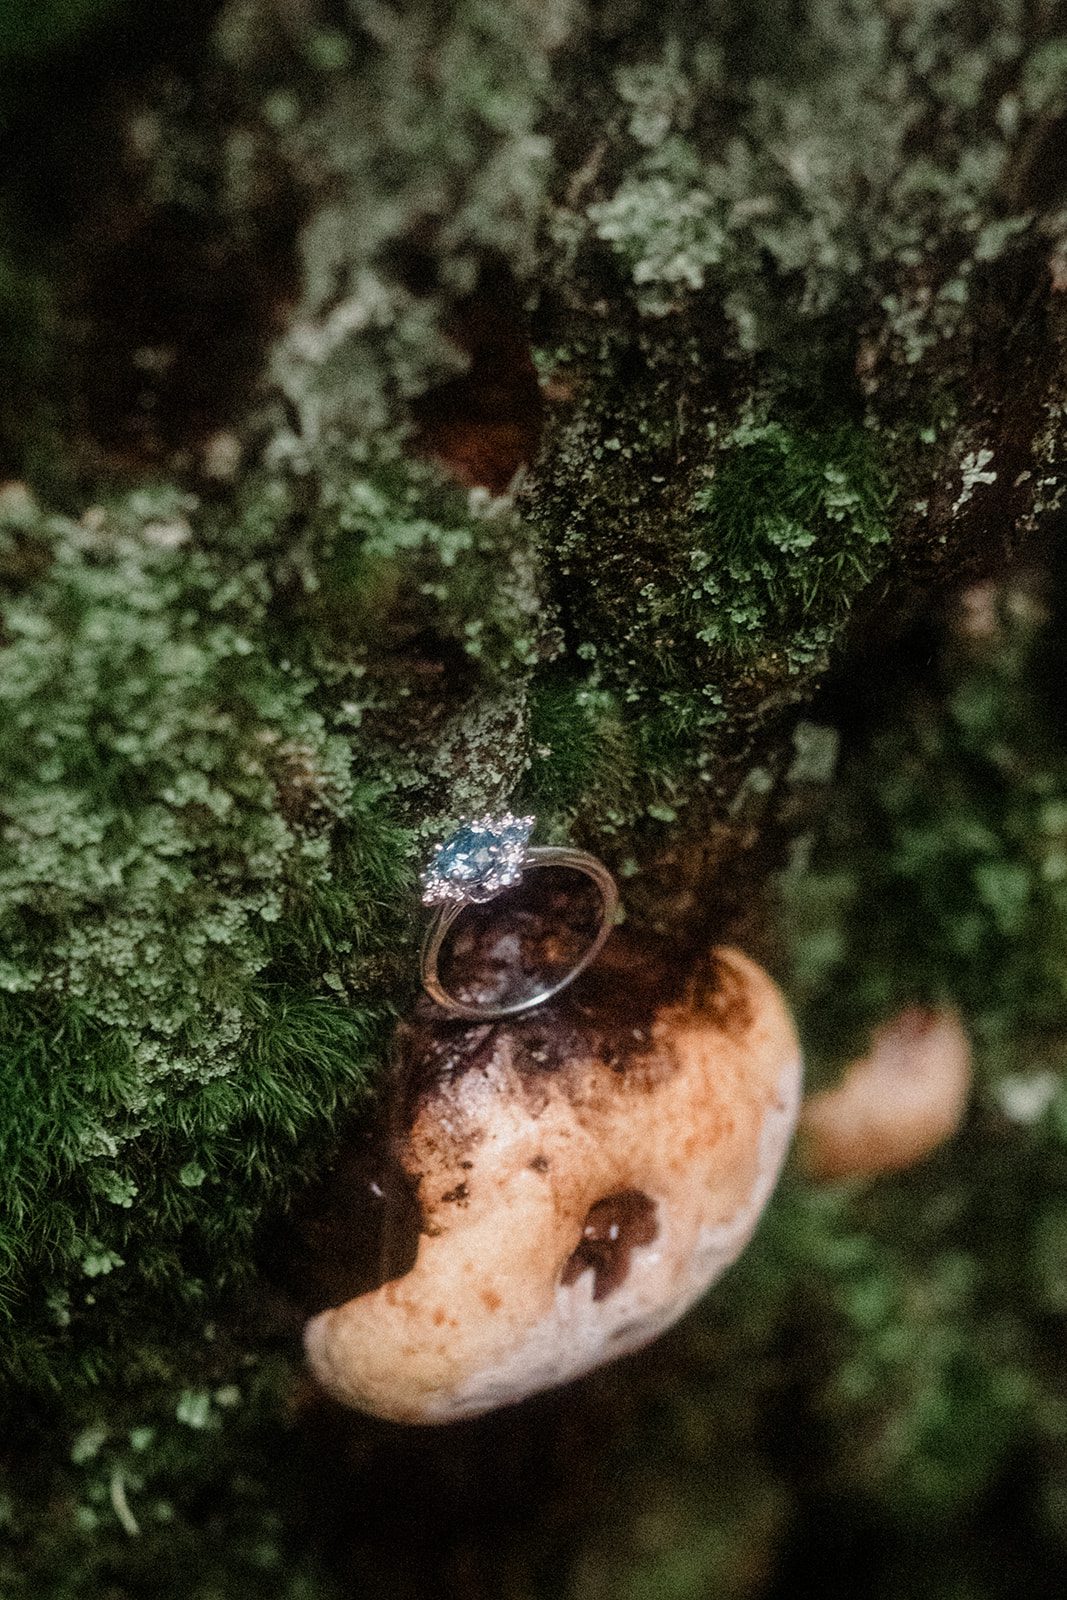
415,411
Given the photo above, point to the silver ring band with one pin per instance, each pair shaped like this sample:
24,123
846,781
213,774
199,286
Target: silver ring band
446,916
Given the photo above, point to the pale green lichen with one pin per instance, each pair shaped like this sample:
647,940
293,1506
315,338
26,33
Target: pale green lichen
796,169
427,159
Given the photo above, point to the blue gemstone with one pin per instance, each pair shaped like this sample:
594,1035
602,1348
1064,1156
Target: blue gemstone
468,855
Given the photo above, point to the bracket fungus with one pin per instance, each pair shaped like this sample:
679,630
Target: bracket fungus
895,1105
581,1175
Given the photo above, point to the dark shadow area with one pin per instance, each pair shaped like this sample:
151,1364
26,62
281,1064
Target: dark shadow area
486,423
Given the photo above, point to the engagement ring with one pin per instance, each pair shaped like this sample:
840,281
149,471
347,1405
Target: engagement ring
477,864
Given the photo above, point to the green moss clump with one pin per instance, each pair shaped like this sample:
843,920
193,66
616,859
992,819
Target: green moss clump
400,555
715,576
581,746
221,740
171,802
162,1493
224,733
792,525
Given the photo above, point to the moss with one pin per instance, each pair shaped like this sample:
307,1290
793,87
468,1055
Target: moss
792,526
403,560
167,1494
720,567
753,218
583,748
224,728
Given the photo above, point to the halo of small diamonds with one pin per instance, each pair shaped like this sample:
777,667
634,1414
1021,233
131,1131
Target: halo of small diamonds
478,860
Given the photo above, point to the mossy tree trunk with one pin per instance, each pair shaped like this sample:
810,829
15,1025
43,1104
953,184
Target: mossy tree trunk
411,411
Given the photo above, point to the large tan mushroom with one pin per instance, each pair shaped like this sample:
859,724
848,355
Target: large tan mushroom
582,1174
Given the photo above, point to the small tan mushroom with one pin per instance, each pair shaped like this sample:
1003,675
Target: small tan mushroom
582,1174
894,1105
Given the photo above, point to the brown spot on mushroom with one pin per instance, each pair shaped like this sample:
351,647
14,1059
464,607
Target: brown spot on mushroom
539,1164
614,1228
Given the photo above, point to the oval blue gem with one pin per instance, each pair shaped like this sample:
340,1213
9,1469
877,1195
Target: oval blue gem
468,855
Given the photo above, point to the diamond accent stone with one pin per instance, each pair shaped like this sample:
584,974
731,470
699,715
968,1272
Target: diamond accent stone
478,861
